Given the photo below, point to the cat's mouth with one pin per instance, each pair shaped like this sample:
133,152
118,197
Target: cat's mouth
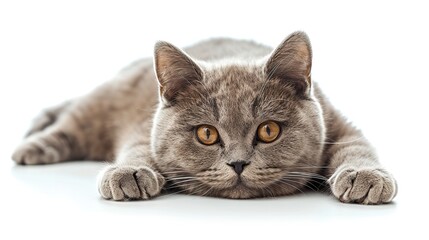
240,184
240,189
233,186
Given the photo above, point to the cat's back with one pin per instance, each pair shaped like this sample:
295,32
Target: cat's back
221,48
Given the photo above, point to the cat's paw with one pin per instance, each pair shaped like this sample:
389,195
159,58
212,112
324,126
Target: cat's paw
365,186
129,183
35,152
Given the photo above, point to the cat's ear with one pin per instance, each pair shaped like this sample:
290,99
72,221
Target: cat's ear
291,62
175,70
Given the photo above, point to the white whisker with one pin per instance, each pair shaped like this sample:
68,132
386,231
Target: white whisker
178,183
291,185
345,142
179,178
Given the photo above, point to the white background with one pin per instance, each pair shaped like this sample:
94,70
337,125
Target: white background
369,57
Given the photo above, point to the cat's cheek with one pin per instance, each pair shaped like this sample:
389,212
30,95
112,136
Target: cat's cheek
218,176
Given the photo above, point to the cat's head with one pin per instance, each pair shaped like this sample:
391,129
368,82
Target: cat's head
238,129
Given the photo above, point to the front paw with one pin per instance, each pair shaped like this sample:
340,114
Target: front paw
129,183
366,186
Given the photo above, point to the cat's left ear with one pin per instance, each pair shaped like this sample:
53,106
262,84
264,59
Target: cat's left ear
175,71
291,62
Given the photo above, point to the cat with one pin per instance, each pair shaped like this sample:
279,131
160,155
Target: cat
224,118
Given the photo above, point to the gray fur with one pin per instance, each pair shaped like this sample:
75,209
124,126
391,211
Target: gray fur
147,128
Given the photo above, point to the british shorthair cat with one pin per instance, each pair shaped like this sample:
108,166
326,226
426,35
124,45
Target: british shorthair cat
224,118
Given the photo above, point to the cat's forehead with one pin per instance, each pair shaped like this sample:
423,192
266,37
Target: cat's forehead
234,82
234,90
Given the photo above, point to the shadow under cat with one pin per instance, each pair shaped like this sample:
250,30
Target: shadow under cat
75,180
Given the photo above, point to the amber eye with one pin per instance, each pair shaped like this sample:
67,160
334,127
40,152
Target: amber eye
268,131
207,134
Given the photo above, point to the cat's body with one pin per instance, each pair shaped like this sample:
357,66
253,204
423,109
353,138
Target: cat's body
232,94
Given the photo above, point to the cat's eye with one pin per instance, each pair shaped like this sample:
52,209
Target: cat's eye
207,135
268,131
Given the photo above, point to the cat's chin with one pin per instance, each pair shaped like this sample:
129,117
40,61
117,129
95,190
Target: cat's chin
235,188
239,190
244,189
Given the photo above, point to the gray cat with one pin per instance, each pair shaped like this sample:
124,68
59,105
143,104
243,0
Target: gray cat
228,118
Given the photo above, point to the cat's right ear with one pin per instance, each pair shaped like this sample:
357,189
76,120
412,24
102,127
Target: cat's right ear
175,70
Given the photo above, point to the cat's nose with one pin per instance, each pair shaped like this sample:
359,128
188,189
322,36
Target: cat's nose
238,166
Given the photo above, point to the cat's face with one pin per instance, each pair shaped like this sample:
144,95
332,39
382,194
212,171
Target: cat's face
238,130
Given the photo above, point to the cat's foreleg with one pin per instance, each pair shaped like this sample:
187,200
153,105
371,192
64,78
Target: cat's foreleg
355,175
132,176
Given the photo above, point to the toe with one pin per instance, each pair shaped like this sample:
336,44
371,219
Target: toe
362,184
374,194
130,188
150,182
390,189
343,184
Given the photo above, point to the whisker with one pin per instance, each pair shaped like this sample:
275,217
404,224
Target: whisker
291,185
179,178
176,192
345,142
305,176
197,189
184,183
308,182
184,188
305,184
278,184
270,192
181,182
312,175
263,191
204,194
176,171
313,167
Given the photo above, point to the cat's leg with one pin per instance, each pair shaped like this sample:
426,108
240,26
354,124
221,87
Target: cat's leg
355,175
58,141
48,117
132,177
